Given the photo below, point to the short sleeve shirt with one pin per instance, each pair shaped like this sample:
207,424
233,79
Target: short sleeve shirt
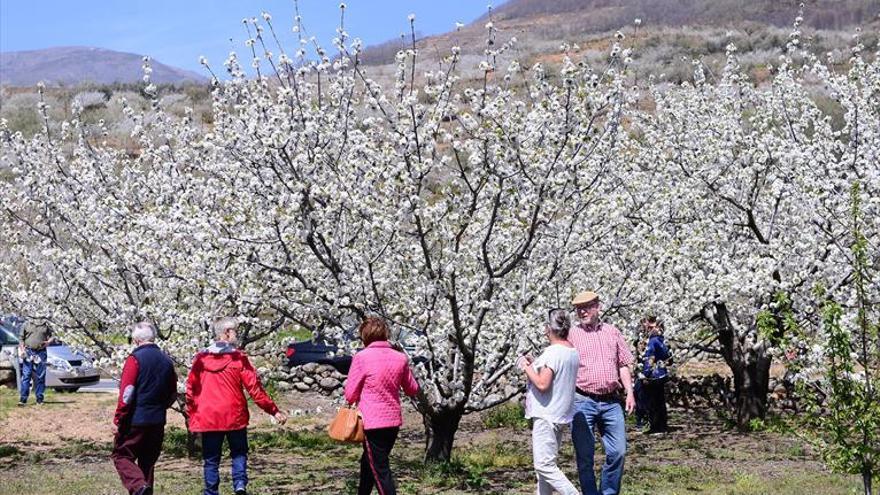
602,351
556,404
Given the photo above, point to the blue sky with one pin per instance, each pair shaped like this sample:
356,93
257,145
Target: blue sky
177,32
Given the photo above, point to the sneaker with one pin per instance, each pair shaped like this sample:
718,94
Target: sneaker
39,403
241,492
21,404
145,490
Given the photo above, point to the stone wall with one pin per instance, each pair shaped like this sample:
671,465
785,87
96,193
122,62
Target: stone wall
320,378
714,391
701,392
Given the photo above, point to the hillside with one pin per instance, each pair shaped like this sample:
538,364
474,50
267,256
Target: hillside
602,15
541,25
76,65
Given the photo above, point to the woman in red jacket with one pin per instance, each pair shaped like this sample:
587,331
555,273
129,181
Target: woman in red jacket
217,407
377,375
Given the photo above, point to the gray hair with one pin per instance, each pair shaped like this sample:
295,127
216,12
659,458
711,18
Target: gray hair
559,322
221,325
143,331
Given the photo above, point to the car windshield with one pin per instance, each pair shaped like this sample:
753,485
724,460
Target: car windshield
7,337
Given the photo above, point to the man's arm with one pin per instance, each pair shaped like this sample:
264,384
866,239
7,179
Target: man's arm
125,404
251,382
626,378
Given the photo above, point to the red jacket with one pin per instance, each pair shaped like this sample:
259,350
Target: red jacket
215,398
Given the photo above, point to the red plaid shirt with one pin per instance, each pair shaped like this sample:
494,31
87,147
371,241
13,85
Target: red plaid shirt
602,353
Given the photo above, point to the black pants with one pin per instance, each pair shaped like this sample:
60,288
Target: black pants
375,469
656,401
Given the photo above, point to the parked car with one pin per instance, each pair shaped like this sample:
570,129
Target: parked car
66,369
321,351
317,351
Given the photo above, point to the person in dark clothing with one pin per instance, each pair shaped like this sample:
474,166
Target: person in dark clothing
147,388
654,368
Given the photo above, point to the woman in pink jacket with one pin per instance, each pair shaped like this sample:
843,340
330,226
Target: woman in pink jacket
377,375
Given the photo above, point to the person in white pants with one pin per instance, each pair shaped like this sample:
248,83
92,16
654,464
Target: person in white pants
550,402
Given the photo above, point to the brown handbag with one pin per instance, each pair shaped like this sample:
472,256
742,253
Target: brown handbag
347,426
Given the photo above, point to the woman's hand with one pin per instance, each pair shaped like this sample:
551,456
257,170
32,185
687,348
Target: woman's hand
524,361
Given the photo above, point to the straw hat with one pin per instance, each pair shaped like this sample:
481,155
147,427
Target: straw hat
585,297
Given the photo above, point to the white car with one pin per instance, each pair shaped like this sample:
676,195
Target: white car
66,369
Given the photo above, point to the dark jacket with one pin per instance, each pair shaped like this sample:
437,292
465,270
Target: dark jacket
147,388
656,358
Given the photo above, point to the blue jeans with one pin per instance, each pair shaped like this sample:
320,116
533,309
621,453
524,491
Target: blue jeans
33,367
212,442
607,417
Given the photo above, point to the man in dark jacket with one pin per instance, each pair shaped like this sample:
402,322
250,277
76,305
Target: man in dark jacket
217,406
147,388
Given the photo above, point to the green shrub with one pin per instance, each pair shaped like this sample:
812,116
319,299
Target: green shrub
508,415
9,451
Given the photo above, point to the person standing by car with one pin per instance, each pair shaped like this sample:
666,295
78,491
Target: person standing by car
217,407
550,402
604,371
32,356
654,368
378,373
147,388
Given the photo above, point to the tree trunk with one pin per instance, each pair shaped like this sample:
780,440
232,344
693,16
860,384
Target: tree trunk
440,429
751,378
867,476
750,364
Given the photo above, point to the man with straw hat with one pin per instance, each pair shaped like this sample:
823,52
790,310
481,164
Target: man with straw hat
603,374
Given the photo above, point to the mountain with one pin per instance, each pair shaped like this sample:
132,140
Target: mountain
604,15
544,23
71,65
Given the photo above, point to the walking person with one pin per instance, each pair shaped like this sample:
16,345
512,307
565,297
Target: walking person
378,373
654,368
217,407
603,374
550,402
147,388
32,361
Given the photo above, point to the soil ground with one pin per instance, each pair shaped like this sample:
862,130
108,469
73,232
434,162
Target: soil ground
63,447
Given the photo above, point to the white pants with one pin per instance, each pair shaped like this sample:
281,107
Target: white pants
546,437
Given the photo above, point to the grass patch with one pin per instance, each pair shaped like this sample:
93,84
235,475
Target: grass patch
174,444
471,470
292,440
445,475
75,448
509,415
9,451
774,423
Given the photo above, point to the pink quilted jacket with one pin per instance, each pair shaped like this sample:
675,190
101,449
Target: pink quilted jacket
377,374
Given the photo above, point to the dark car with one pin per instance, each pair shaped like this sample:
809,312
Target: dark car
323,352
317,351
